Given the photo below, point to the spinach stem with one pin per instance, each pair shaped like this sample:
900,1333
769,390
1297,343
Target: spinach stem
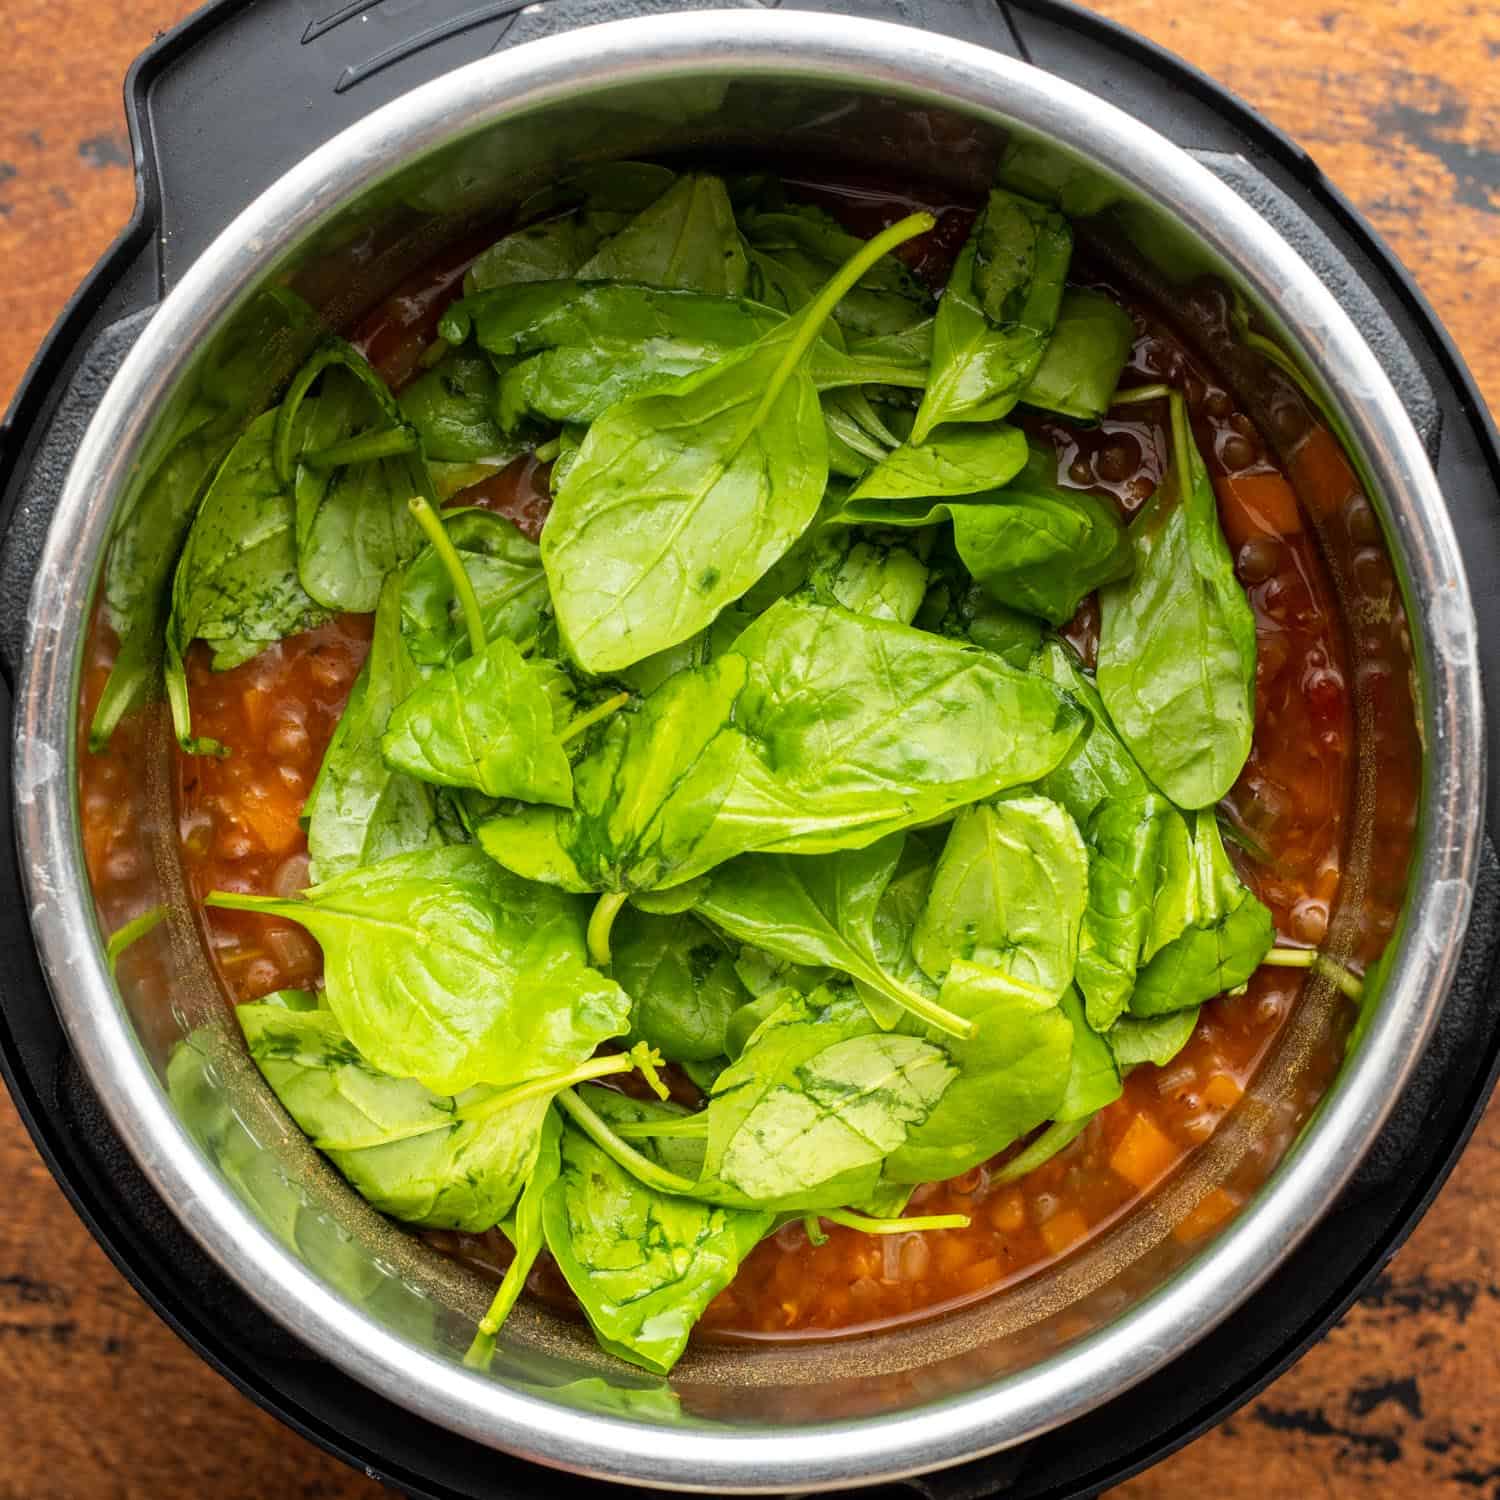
593,716
135,929
645,1130
811,319
390,442
1349,983
1058,1134
595,1067
1182,447
866,1225
926,1009
482,1350
442,544
640,1167
812,1226
602,920
1122,397
544,453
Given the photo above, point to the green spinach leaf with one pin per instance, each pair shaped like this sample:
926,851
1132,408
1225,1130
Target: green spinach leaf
644,1265
795,249
1008,893
442,1161
681,979
1177,639
997,313
506,572
818,910
677,502
360,811
1084,358
491,723
443,967
236,585
1229,933
1033,545
1098,767
870,578
822,730
1124,839
687,238
353,525
955,461
819,1097
1010,1077
566,222
524,1229
1093,1072
1135,1041
453,408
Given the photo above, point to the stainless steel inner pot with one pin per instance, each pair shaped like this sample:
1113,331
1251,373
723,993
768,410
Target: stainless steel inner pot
345,225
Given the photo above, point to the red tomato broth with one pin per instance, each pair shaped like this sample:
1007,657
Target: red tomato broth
239,830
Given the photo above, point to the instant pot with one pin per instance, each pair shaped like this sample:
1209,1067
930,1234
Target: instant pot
220,1213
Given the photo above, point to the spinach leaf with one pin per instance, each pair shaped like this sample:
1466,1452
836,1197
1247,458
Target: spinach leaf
818,910
677,502
443,967
1098,766
687,238
566,222
1135,1041
870,578
236,376
450,1162
1124,840
236,584
645,795
491,723
360,811
996,314
570,350
819,1097
761,972
862,726
956,606
1177,639
523,1228
956,461
506,572
1093,1072
353,525
1222,945
453,409
821,730
711,642
1010,1077
1008,893
681,979
643,1265
795,249
1032,545
1081,365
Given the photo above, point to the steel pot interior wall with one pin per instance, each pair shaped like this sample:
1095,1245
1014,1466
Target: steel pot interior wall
338,235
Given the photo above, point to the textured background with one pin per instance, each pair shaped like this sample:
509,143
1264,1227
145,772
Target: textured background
1400,104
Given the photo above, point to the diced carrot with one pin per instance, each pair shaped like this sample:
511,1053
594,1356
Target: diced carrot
1252,505
1064,1230
981,1274
1320,471
1209,1214
1008,1212
272,819
256,703
1144,1153
1222,1091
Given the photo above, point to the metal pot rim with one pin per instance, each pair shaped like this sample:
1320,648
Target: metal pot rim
916,65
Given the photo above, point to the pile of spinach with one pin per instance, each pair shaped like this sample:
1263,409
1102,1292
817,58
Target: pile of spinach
765,763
